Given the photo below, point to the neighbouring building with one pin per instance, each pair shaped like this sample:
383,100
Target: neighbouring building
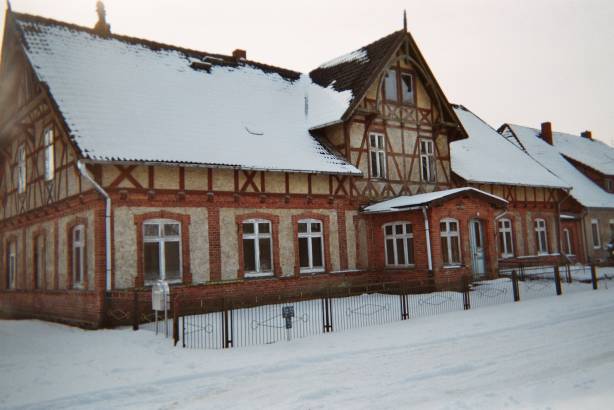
587,214
125,161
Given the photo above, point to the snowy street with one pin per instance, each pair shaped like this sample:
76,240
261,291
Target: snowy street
555,352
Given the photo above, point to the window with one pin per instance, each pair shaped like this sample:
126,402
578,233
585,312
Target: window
39,261
49,155
407,88
568,249
609,185
541,241
257,248
399,241
506,246
310,245
596,236
450,242
378,155
21,169
427,161
78,247
390,86
11,265
162,250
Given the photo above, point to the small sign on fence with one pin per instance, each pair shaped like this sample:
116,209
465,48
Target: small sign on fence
287,312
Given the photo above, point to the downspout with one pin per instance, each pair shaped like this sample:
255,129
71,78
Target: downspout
427,230
107,218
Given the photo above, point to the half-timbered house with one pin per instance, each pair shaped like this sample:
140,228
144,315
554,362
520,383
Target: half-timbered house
125,161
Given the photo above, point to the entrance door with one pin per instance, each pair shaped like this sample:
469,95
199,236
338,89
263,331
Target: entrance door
477,248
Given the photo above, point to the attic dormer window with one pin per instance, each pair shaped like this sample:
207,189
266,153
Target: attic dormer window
399,87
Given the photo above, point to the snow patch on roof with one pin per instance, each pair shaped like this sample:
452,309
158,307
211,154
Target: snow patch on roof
585,191
126,101
590,152
359,56
487,157
402,202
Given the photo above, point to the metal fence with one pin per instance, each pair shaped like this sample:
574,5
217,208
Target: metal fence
232,322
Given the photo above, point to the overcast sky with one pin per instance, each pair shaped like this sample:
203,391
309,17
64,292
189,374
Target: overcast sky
519,61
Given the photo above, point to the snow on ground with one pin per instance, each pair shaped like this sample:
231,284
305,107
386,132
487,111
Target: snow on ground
554,352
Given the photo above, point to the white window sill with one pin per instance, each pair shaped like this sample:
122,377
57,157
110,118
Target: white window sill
253,275
452,266
170,282
507,256
400,266
311,271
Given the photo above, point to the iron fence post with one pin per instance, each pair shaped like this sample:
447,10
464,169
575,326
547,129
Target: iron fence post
568,268
466,297
404,312
515,286
594,276
557,280
175,321
183,331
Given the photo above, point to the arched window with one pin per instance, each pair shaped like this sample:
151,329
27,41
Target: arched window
568,249
49,154
162,250
39,260
21,169
506,246
541,237
399,244
257,248
596,234
450,241
78,253
11,265
310,245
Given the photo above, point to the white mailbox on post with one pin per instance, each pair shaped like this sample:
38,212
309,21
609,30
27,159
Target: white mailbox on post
161,301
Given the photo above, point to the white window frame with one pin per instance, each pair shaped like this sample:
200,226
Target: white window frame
508,248
567,239
310,235
413,91
12,264
595,228
21,169
448,235
539,227
78,247
394,74
377,146
405,236
162,239
256,236
48,141
427,155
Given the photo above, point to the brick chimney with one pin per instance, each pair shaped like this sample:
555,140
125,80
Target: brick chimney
546,134
239,54
587,134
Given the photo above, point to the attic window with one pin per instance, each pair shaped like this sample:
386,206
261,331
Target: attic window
407,88
399,87
390,86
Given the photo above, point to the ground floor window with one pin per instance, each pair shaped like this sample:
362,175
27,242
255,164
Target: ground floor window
39,261
78,253
310,245
257,248
399,244
506,246
596,235
567,242
450,242
11,265
162,250
541,240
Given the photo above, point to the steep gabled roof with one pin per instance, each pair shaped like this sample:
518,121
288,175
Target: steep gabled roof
358,70
583,190
590,152
127,99
487,157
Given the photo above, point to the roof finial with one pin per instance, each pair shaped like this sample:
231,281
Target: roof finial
102,27
8,5
405,20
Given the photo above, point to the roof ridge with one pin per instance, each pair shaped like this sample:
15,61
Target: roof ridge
155,45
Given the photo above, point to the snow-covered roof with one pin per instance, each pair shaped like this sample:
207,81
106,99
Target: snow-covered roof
590,152
125,99
403,202
487,157
359,56
585,191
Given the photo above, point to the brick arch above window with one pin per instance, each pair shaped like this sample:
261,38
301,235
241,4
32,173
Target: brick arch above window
325,219
274,219
184,220
70,226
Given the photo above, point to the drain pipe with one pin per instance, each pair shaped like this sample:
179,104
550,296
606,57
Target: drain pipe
107,219
428,239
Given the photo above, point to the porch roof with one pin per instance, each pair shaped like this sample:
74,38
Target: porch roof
403,203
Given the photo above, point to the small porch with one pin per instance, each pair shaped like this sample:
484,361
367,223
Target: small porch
444,236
